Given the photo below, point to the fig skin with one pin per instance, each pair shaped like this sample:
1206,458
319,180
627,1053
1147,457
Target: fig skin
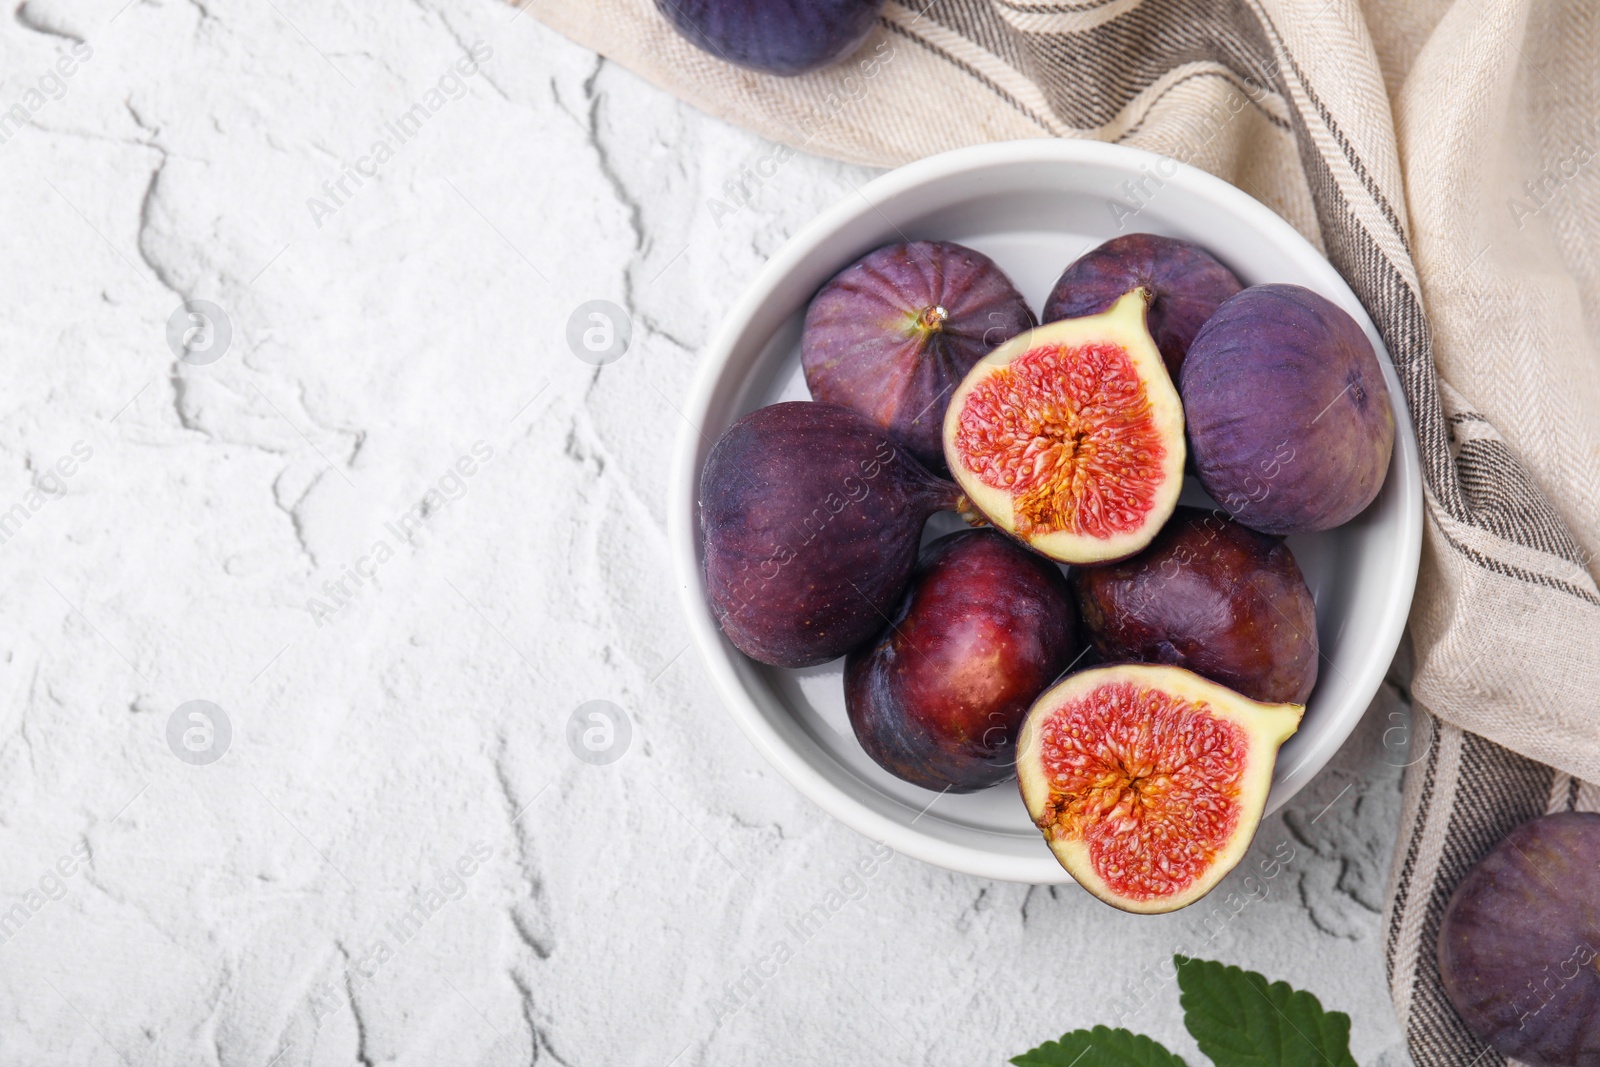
1211,596
1186,282
811,518
1288,414
1519,947
939,697
783,37
893,334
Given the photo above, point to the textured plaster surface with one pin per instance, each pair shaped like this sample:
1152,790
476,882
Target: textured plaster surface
300,900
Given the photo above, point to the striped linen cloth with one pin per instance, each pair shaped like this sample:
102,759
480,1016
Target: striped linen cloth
1442,154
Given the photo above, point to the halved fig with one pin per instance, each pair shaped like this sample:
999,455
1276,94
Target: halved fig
1148,782
1070,437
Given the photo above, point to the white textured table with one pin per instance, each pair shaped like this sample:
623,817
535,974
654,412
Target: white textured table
396,533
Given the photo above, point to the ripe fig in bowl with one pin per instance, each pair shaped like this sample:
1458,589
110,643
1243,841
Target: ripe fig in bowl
1148,782
1288,413
784,37
1519,946
1214,597
810,517
1070,437
938,698
1186,284
893,334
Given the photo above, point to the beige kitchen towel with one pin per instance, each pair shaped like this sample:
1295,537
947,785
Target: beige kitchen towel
1442,154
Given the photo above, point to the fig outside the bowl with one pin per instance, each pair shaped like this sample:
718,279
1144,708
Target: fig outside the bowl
1519,944
782,37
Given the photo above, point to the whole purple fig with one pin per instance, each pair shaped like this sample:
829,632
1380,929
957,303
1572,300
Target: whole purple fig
811,518
985,626
1186,282
1288,414
1214,597
774,36
893,334
1519,946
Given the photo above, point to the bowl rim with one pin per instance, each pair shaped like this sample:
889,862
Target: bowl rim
717,656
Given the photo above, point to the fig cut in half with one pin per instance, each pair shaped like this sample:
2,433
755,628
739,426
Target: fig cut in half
1148,782
1070,437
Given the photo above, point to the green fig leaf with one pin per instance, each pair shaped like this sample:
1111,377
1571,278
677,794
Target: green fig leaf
1100,1047
1240,1020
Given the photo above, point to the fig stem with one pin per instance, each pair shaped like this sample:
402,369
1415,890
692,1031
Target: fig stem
969,514
933,318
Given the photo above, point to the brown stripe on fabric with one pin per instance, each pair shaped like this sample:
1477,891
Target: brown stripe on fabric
1225,76
1573,785
1089,77
970,71
1508,570
1394,308
1350,155
1388,298
1408,866
1496,791
1054,9
1504,501
1396,312
977,21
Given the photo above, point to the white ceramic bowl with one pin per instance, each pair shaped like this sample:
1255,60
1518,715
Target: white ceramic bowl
1034,206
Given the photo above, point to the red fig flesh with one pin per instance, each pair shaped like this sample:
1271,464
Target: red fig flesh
1070,437
1148,782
